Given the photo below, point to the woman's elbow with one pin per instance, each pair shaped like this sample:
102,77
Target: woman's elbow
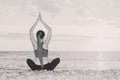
50,30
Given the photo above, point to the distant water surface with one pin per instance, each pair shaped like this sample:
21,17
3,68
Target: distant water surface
71,59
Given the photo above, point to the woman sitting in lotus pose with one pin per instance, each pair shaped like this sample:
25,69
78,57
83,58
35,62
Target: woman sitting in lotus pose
40,45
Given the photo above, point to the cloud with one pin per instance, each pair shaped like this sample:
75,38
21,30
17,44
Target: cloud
13,2
15,36
67,37
46,5
69,12
14,6
105,11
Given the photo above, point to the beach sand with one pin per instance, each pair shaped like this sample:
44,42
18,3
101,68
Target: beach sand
73,66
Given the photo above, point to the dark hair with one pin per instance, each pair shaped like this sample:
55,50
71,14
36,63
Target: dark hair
40,33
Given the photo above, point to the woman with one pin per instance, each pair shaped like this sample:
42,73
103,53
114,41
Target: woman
40,45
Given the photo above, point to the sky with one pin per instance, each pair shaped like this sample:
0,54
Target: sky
77,25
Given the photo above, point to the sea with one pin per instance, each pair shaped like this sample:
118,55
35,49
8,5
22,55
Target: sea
74,65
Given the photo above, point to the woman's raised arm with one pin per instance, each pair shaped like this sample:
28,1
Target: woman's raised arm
49,34
32,38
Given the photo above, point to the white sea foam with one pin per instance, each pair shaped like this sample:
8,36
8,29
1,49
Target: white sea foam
73,66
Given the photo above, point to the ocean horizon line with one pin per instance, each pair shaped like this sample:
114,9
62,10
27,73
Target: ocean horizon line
59,51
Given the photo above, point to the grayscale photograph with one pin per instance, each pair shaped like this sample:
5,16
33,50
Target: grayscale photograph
59,39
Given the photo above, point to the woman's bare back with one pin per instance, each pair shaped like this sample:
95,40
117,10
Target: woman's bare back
41,52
